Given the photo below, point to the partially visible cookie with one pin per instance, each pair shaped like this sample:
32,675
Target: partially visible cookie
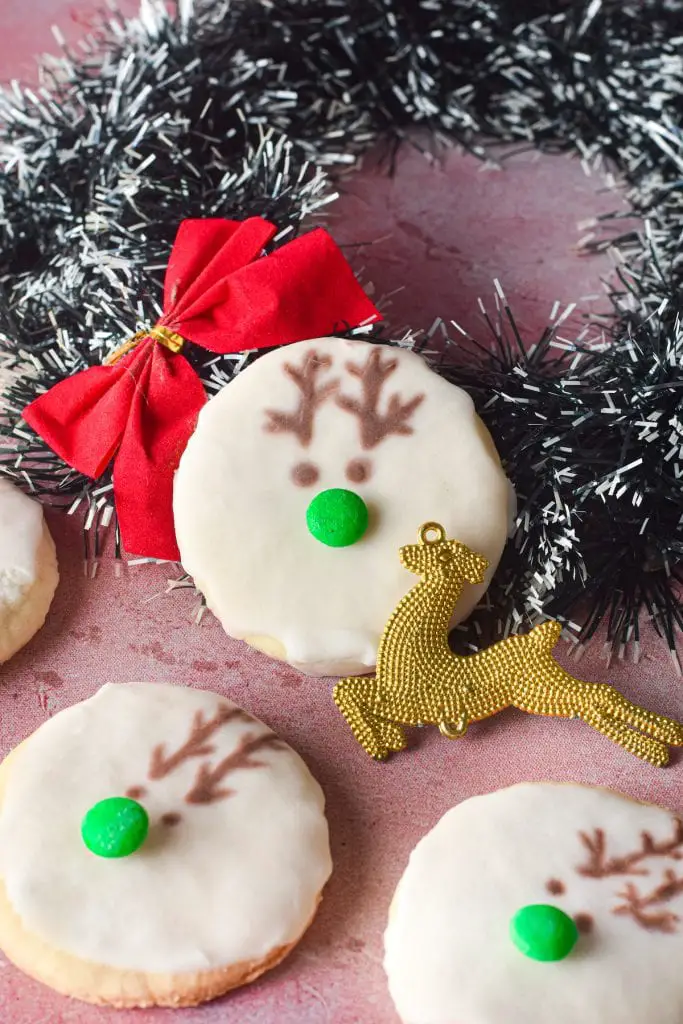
202,874
541,903
307,473
28,569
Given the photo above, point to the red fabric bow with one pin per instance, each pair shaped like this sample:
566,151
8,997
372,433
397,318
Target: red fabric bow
141,411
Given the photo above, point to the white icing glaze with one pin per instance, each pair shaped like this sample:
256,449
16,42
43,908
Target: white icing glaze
21,530
241,521
449,959
232,881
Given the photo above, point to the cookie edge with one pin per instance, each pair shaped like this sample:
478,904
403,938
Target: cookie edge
101,985
28,616
524,783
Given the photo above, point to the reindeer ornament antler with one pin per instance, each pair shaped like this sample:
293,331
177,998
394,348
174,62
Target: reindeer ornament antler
420,681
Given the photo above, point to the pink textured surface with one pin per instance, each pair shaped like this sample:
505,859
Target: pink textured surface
451,229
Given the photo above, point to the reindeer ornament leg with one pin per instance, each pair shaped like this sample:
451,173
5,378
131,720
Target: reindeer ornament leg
634,742
641,732
377,736
545,688
419,680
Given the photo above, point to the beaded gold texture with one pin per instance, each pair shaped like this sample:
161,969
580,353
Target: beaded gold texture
420,681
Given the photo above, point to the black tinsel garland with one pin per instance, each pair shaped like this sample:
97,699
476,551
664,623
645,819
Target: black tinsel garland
242,107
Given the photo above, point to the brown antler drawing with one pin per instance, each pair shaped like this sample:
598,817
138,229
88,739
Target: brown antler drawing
599,865
373,426
205,787
312,396
196,744
636,905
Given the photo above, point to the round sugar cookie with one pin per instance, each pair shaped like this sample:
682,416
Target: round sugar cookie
610,869
28,569
225,883
266,503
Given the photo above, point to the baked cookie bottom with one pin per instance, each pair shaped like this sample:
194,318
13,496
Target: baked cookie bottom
110,986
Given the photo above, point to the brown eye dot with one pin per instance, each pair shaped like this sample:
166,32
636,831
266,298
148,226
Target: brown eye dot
304,474
584,922
358,471
171,818
135,792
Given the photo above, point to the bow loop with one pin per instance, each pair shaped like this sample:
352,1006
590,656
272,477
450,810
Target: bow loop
140,410
205,253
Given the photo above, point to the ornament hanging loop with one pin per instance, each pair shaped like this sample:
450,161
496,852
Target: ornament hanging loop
169,339
453,731
426,531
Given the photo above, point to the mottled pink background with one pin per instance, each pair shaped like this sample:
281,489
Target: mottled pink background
442,233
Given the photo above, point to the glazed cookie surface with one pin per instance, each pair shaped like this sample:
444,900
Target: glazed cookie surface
225,883
28,569
314,584
610,868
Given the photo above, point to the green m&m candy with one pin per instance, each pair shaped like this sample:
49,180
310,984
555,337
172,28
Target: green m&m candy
543,932
115,827
337,517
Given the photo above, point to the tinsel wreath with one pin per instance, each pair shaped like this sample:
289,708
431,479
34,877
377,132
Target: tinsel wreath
241,107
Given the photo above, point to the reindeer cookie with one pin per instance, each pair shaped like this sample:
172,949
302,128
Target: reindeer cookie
158,846
541,903
303,477
28,569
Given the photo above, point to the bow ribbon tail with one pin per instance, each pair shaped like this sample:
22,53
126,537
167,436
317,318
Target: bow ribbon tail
163,415
83,418
140,412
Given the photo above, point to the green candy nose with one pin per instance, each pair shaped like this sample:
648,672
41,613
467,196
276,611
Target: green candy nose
337,517
543,932
115,827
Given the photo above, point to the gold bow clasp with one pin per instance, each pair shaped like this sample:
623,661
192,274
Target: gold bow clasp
169,339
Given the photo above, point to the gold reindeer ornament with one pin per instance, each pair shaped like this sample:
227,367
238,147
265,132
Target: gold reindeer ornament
420,681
